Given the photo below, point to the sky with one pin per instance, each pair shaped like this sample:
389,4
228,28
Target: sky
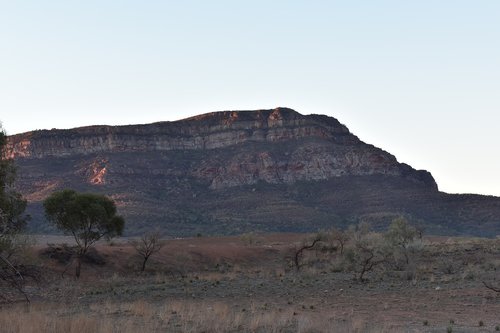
420,79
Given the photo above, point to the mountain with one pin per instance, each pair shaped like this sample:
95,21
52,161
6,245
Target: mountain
238,171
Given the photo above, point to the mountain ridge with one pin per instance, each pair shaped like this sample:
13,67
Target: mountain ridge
180,174
204,124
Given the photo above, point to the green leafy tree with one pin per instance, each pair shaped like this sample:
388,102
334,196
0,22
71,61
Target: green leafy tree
87,216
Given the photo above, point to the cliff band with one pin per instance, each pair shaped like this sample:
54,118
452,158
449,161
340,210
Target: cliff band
235,171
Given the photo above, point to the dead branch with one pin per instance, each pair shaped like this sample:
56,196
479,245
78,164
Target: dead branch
11,275
299,252
491,287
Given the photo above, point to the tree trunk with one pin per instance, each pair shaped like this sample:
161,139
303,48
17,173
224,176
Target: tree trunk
144,264
362,274
299,252
78,266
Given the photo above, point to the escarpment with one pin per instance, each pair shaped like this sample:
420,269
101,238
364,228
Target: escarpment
208,131
311,147
237,171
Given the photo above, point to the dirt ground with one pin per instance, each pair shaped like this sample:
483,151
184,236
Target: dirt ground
247,284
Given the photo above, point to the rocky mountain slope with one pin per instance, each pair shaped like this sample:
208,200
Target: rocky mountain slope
237,171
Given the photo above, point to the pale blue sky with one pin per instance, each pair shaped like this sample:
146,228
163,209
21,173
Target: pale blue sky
420,79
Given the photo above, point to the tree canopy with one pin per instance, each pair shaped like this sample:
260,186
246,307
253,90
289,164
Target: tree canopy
401,235
87,216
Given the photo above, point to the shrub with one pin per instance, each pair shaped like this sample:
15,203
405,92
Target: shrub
400,237
367,251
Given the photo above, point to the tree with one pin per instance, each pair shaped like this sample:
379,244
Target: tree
87,216
338,236
147,245
367,251
12,223
401,235
305,246
12,205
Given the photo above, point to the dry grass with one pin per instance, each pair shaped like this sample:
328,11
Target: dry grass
176,316
225,285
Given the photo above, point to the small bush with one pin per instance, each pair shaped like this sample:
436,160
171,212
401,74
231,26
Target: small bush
249,238
448,267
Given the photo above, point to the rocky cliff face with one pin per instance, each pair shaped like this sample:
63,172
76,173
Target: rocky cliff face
327,147
208,131
231,172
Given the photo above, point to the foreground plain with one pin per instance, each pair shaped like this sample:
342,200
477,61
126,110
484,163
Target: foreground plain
249,284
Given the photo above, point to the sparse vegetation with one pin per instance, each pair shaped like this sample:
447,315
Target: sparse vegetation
184,316
255,293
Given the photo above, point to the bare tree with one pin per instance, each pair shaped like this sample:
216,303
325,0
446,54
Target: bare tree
147,245
367,256
16,276
305,246
338,236
367,250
